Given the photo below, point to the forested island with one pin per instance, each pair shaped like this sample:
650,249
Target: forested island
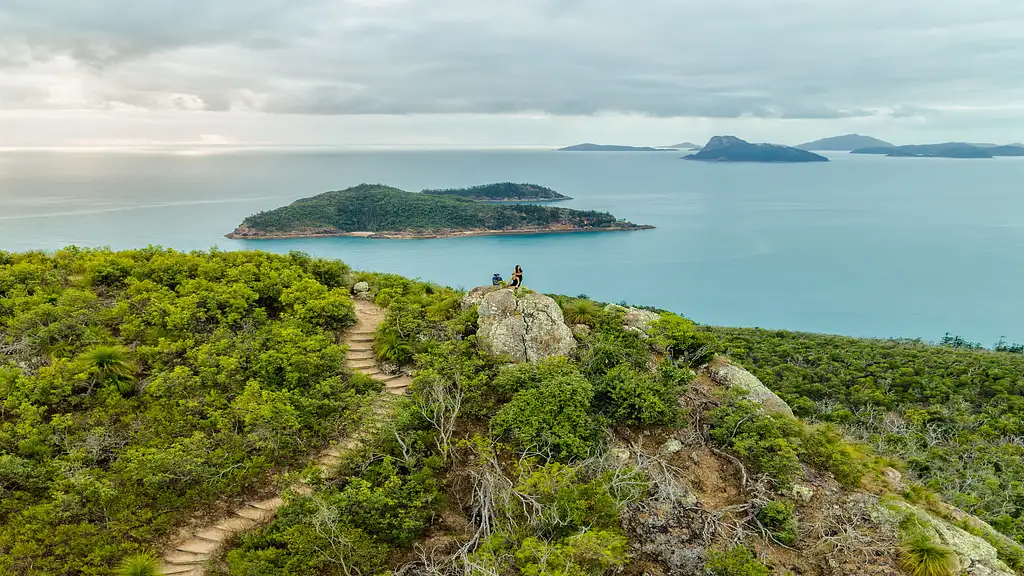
378,211
503,192
733,149
845,143
228,414
944,150
588,147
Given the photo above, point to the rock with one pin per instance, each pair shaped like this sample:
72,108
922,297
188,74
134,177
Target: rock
389,368
635,319
671,446
735,377
580,331
620,455
475,296
361,287
524,329
801,493
894,479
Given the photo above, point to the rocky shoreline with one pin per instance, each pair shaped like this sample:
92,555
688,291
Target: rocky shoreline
241,233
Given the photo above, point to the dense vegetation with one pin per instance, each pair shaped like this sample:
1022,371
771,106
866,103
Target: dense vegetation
502,191
375,208
136,386
954,414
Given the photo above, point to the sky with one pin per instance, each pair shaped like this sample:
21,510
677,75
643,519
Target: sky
517,73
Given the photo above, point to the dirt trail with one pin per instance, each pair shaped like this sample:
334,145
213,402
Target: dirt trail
189,556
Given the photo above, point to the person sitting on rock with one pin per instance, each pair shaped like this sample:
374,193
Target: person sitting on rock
517,278
496,280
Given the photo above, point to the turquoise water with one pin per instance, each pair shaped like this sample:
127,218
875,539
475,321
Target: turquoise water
861,245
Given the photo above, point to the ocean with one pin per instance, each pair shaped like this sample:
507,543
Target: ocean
863,246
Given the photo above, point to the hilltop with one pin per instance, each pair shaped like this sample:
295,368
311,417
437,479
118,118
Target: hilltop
377,211
684,146
503,192
588,147
845,142
241,397
733,149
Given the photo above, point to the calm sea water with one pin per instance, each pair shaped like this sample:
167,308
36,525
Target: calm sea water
861,246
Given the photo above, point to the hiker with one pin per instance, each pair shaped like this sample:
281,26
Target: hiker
496,280
517,278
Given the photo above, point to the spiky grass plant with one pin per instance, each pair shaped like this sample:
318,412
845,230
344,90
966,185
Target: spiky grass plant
921,556
140,565
580,311
109,361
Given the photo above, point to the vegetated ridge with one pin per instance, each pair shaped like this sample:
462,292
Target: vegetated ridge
144,387
846,142
733,149
377,211
503,192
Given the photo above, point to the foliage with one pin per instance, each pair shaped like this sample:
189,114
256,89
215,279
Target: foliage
736,561
630,396
137,386
920,556
378,208
950,413
777,517
682,341
140,565
553,416
502,191
767,441
580,311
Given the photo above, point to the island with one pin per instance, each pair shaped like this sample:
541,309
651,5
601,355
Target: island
944,150
588,147
733,149
845,143
684,146
503,192
378,211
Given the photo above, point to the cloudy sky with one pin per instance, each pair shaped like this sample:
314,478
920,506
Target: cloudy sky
521,72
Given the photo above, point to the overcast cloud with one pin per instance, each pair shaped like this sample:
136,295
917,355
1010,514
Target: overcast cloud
89,69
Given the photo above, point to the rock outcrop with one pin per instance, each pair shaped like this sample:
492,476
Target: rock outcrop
731,376
525,328
635,319
475,296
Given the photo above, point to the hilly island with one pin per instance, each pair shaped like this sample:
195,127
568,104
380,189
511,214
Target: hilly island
378,211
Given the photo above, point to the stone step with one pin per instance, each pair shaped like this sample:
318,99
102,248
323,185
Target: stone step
213,534
362,332
363,365
393,377
360,348
356,338
198,546
179,570
401,391
235,524
360,355
254,514
178,557
269,505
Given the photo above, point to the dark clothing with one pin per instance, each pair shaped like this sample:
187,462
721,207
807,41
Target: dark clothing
496,280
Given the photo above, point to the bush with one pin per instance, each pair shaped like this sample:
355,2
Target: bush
681,340
590,553
824,447
580,311
736,561
629,396
553,416
920,556
778,518
770,443
140,565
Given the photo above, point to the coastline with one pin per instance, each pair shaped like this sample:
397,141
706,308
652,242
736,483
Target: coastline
429,235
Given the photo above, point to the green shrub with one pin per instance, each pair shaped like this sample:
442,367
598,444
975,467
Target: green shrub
824,447
682,341
552,417
736,561
590,553
140,565
388,346
770,443
920,556
778,518
629,396
580,311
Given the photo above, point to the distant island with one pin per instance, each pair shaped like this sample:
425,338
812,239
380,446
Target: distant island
503,192
588,147
378,211
845,143
684,146
732,149
943,150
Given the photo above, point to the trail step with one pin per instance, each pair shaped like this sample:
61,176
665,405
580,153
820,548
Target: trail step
186,558
198,546
360,348
213,534
235,524
269,505
179,569
360,339
254,514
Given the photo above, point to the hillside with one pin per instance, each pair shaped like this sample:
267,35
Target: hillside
733,149
147,392
502,192
384,212
845,142
588,147
684,146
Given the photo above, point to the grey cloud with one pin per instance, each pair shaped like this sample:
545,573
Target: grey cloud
786,59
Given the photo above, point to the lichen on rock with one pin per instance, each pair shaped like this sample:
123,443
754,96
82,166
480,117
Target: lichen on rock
523,328
735,377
